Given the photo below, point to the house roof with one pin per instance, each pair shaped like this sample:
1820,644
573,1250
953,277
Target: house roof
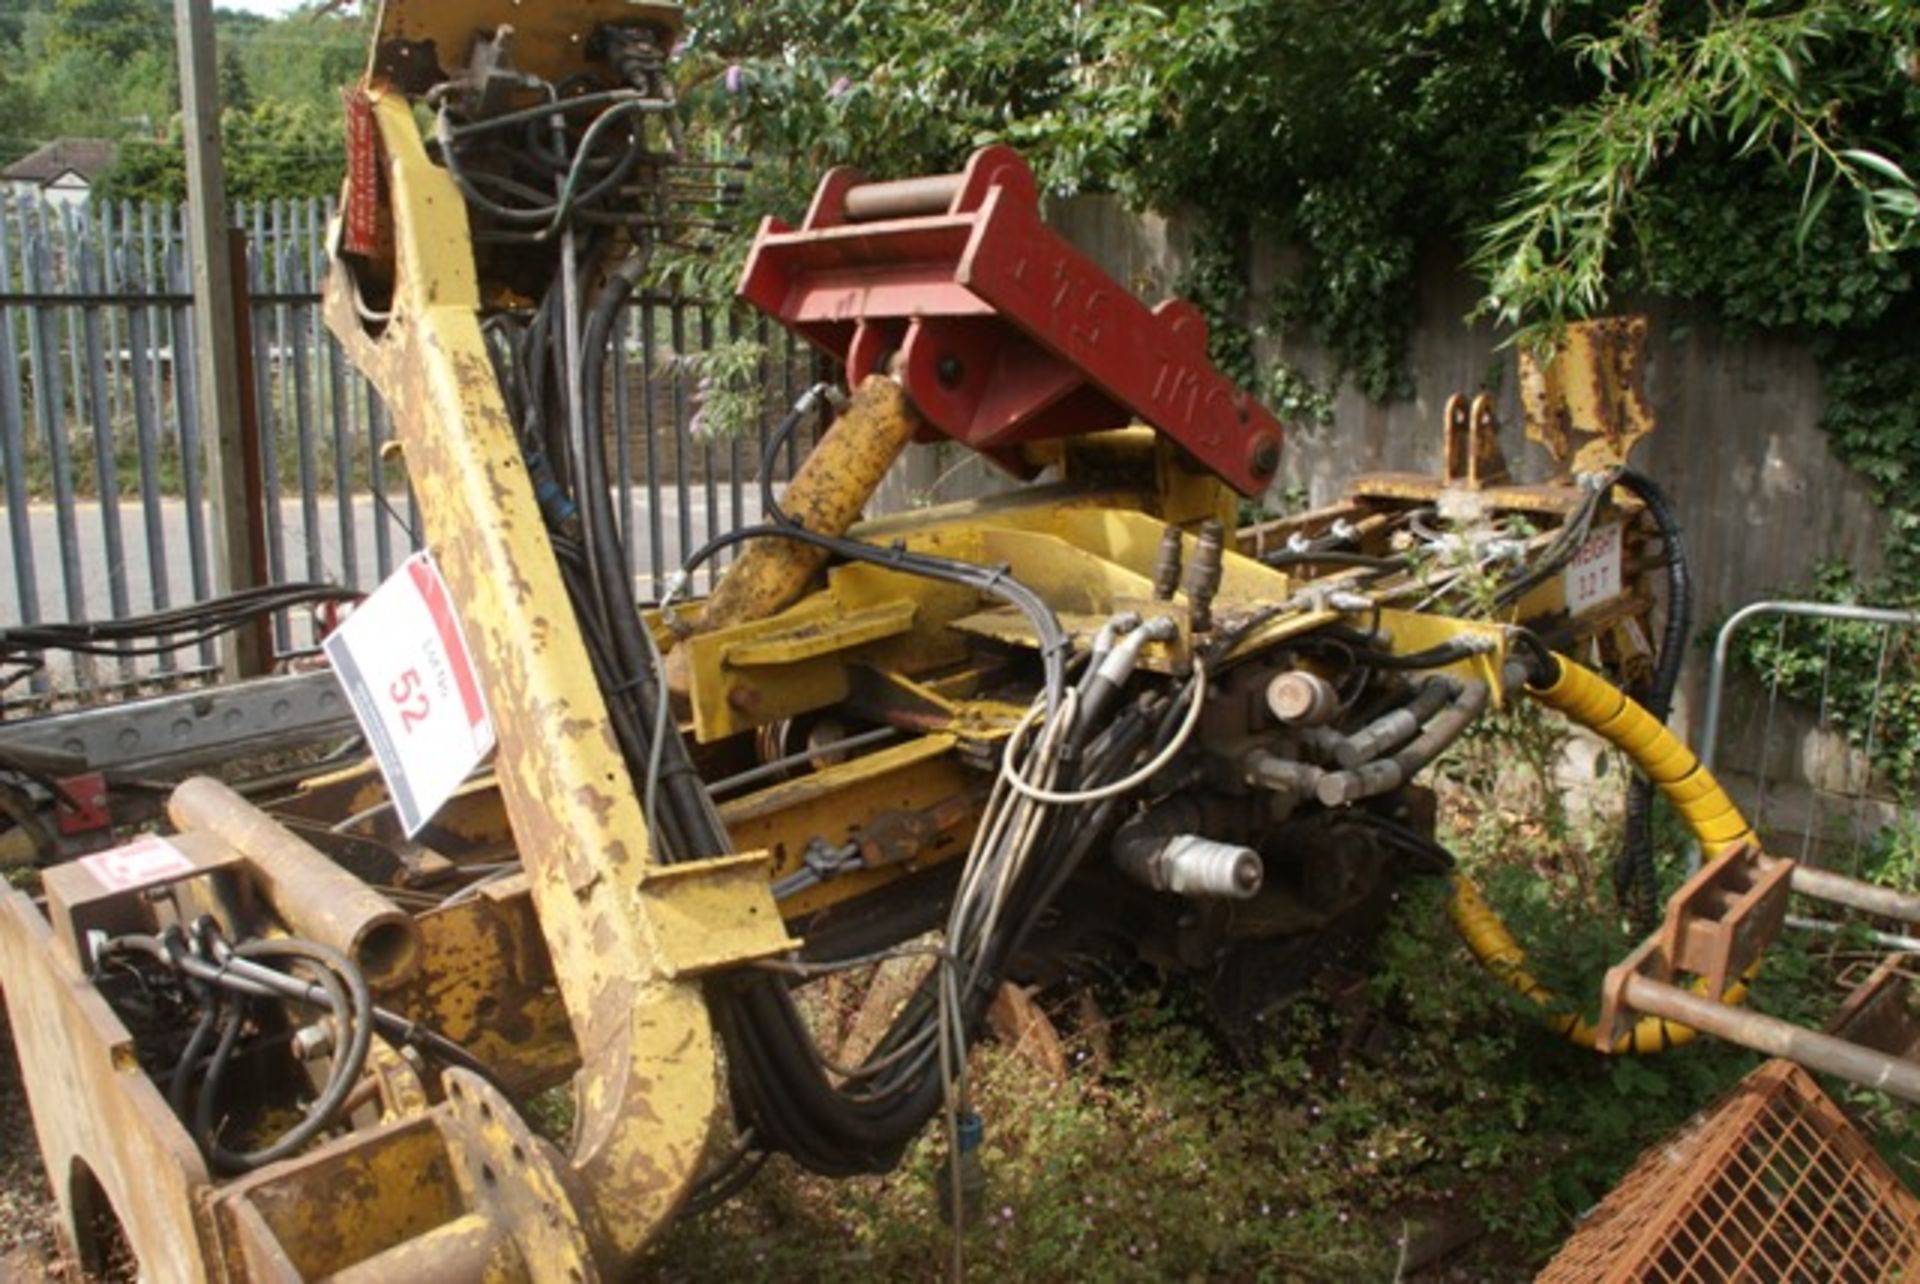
87,157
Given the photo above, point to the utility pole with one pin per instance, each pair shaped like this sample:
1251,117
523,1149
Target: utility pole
236,561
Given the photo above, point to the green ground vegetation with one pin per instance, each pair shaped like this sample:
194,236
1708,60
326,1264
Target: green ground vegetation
1413,1094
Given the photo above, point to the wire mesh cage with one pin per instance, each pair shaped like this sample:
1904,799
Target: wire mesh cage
1771,1184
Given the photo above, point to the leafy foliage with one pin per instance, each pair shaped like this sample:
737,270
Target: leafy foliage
116,30
276,149
1750,162
1352,131
107,69
1818,93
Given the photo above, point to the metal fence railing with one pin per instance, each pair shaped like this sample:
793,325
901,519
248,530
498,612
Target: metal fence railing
104,485
1813,732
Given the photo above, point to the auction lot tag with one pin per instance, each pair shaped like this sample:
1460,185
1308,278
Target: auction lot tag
1593,577
141,863
403,662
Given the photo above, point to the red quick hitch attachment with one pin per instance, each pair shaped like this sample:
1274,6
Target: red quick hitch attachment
1003,332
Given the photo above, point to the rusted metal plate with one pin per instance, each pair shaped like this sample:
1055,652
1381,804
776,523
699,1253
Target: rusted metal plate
341,1203
846,802
1588,403
1548,500
1000,331
102,1126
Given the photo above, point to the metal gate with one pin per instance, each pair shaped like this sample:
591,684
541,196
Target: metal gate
104,486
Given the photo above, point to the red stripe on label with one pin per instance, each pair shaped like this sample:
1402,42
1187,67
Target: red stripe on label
361,222
433,591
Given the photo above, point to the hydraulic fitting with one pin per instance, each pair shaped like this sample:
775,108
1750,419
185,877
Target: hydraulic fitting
1189,865
1202,578
1287,776
1302,699
1109,633
1166,564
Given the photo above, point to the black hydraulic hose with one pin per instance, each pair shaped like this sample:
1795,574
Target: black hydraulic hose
180,1087
174,629
1052,640
1388,731
240,974
1357,647
1636,880
995,581
1452,651
833,1131
1425,849
1331,557
607,566
1565,544
603,544
352,1004
1469,700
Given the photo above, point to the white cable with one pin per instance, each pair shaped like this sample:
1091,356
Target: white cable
1123,622
1125,784
1045,763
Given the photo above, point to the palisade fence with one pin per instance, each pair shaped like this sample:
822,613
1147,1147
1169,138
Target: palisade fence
105,485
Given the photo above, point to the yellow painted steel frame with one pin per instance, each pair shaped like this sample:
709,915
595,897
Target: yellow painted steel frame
629,937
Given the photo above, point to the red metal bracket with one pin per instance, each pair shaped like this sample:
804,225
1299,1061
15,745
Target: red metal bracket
81,805
999,330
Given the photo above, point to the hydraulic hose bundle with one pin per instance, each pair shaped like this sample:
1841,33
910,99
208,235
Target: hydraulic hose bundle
1635,880
225,981
550,361
1589,700
159,632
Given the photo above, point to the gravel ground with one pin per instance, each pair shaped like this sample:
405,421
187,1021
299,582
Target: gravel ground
29,1249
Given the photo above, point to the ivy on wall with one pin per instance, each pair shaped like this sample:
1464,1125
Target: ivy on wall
1750,162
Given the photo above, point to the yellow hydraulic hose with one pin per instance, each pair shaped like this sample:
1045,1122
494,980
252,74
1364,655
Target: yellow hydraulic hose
1590,700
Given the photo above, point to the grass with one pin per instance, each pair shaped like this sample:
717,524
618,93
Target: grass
1422,1096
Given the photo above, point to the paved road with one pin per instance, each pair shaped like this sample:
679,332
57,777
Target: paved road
89,578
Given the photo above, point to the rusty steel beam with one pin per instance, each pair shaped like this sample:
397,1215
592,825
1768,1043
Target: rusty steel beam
629,936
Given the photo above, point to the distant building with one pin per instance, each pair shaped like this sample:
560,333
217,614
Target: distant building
61,172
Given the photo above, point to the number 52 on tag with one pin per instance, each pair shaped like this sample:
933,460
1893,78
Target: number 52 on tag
403,662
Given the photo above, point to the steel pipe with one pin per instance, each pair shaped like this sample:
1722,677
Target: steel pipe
902,198
1825,885
1776,1038
314,897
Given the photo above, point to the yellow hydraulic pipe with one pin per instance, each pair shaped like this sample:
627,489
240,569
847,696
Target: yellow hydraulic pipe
833,484
1585,697
1590,700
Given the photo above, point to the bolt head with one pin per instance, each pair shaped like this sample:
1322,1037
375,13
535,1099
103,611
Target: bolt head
1263,456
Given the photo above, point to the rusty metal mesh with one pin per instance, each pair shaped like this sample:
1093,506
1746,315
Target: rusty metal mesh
1771,1184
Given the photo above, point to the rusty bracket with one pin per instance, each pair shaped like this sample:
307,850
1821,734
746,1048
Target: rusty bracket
1717,925
1471,448
1000,331
1592,387
1716,929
